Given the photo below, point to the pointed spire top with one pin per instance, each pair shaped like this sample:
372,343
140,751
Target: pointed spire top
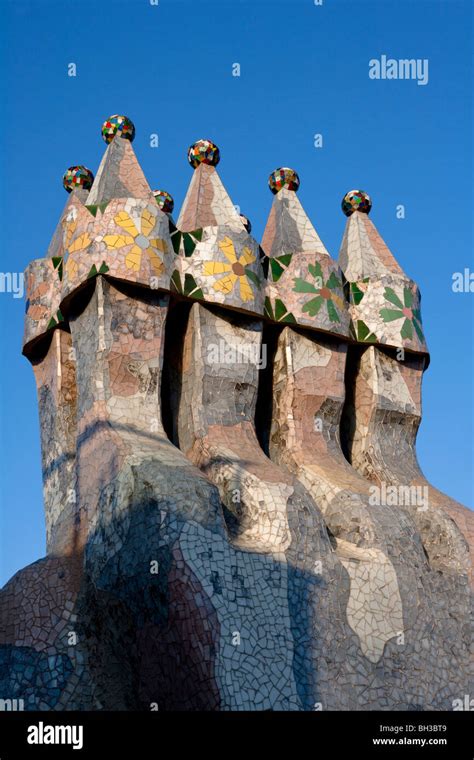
304,284
77,198
363,252
207,203
288,228
384,304
119,174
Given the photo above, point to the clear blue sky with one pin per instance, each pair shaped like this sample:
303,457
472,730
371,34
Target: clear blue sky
304,70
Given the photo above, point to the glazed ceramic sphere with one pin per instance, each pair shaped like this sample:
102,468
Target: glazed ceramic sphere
164,200
77,176
283,177
203,152
356,200
118,125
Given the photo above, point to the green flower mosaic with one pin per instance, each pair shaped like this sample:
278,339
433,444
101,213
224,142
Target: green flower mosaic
324,292
93,272
97,207
278,264
356,293
58,264
405,311
184,242
190,287
360,332
55,320
278,311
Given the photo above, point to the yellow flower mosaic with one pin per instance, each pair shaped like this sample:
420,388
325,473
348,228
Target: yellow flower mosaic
73,245
235,270
139,241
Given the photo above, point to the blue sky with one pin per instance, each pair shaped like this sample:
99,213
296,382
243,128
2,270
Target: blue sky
304,70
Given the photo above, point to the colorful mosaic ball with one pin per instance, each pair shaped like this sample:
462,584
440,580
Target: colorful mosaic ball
356,200
246,223
203,152
283,177
118,125
77,176
164,200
